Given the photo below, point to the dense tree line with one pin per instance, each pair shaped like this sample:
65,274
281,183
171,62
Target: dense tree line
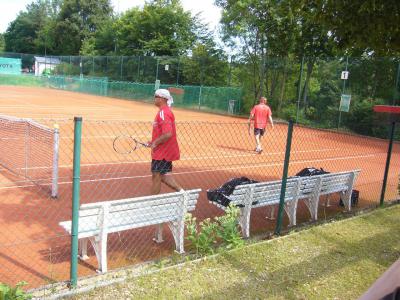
282,49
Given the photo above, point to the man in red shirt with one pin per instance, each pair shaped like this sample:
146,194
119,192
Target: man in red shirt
261,113
164,145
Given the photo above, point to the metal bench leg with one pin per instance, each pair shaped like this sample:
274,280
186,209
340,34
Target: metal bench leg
83,249
291,209
99,244
312,205
272,215
178,229
244,221
158,235
327,201
347,200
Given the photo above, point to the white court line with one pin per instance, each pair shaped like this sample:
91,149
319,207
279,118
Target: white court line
182,159
206,171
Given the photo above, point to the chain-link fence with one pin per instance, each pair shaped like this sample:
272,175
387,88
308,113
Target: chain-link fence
308,90
34,247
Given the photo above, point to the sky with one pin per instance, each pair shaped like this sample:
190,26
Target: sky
211,14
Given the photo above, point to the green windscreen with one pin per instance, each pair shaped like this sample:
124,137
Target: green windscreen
10,65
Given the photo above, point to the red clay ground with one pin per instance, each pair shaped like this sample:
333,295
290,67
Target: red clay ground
214,148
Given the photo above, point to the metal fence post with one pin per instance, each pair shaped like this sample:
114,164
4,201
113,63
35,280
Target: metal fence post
299,90
389,154
284,178
75,201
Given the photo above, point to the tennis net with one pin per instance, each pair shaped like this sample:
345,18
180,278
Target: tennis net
30,150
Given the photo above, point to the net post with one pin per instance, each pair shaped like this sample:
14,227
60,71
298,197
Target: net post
284,178
75,201
54,183
27,148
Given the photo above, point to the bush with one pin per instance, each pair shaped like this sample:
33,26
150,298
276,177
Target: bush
205,238
16,293
228,229
225,228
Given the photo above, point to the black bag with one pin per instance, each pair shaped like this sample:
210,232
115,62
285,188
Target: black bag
354,198
311,172
220,195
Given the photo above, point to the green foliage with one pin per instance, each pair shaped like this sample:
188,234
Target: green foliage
374,26
31,31
2,42
13,293
202,239
160,28
206,66
289,112
204,236
77,21
67,69
228,229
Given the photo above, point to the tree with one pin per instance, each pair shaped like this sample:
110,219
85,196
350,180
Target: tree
207,66
362,25
312,41
28,33
266,31
1,42
161,28
78,21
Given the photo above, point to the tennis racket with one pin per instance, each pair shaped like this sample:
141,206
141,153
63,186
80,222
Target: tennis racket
125,144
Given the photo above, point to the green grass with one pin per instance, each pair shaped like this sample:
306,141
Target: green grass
338,260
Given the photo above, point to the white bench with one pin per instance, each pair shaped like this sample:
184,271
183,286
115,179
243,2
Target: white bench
312,187
97,220
309,188
263,194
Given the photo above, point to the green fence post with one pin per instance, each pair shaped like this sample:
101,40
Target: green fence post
75,200
389,154
299,90
284,178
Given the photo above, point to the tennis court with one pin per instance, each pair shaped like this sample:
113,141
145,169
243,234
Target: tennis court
214,148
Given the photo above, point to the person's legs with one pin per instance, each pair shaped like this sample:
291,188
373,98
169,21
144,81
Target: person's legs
169,180
258,136
155,189
258,145
155,183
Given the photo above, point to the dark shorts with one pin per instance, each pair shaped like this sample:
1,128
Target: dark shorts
161,166
259,131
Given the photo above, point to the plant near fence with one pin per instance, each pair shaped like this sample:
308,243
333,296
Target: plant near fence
228,228
13,293
205,236
202,237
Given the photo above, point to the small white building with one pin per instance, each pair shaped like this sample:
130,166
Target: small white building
45,63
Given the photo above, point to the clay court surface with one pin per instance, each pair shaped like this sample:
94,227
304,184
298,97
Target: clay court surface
214,148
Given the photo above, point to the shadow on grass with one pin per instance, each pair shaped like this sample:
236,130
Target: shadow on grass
261,279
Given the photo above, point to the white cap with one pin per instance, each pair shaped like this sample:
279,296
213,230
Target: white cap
163,93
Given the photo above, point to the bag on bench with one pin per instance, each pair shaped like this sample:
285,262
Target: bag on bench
220,195
311,172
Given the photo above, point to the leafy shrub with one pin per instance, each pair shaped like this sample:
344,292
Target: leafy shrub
228,229
289,112
13,293
204,238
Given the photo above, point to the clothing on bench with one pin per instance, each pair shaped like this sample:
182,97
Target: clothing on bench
263,194
97,220
311,188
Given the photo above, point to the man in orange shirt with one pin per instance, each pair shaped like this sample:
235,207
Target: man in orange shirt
261,113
